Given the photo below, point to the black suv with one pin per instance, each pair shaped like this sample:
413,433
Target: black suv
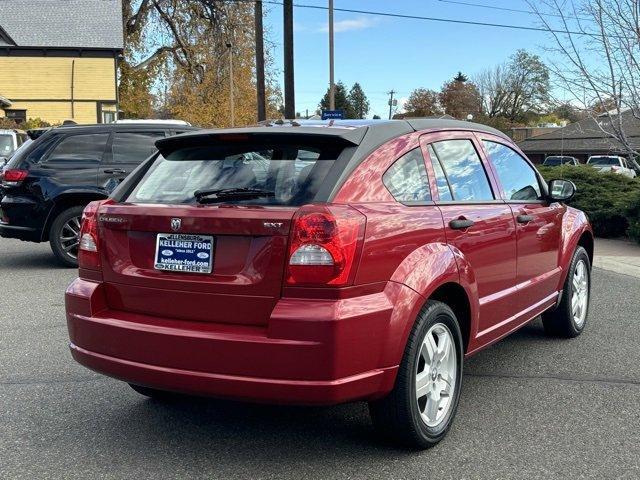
46,186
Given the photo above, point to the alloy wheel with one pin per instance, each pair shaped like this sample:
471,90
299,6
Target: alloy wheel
70,237
436,367
580,293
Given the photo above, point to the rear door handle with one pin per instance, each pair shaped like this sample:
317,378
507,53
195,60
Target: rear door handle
524,218
114,171
461,223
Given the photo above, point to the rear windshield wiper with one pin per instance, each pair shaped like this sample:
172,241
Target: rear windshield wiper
223,194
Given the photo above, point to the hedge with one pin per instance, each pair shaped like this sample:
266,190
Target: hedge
611,201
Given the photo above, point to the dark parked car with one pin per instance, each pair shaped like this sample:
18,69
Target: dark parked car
559,160
320,264
46,185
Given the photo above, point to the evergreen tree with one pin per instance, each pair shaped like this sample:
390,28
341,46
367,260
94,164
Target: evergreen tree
341,100
358,100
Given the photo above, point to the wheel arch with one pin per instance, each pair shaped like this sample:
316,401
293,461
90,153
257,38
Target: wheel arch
68,200
437,272
455,297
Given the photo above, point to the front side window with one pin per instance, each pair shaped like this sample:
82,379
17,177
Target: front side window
407,178
133,147
444,191
291,174
80,147
519,180
463,170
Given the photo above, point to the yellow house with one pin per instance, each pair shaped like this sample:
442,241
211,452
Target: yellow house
59,60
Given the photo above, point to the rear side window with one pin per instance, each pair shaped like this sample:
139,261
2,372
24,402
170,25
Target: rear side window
519,180
80,147
292,173
133,147
407,178
463,170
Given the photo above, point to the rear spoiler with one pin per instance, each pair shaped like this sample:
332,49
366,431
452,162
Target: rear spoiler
347,137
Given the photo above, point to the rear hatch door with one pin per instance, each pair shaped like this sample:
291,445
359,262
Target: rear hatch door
161,220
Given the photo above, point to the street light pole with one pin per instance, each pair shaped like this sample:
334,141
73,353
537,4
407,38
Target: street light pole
232,106
332,86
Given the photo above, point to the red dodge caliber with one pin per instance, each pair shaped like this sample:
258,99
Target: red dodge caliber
320,263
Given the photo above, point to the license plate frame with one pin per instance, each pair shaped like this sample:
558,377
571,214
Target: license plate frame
184,253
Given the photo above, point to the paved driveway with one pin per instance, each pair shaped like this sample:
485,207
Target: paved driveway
531,406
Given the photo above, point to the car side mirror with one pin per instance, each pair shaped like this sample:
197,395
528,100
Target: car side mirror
561,190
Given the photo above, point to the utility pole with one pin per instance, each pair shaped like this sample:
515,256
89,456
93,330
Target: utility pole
260,88
391,102
289,94
232,106
332,85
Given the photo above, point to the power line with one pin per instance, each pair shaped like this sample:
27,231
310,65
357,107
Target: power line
436,19
516,10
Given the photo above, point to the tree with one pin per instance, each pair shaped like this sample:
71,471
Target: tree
460,77
341,101
358,100
596,60
183,47
515,90
493,86
460,98
568,112
422,102
528,83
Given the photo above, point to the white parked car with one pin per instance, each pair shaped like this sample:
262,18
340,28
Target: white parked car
10,140
612,163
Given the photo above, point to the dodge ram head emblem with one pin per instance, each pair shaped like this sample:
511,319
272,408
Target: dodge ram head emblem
176,223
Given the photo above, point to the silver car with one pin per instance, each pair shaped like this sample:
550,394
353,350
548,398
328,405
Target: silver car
612,163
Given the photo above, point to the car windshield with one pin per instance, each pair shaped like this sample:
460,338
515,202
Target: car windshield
554,161
604,161
284,174
6,144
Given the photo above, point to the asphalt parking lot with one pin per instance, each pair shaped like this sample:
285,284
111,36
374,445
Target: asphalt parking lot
531,406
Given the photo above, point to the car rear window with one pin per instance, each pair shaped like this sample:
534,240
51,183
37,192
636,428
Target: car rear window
604,161
554,161
293,173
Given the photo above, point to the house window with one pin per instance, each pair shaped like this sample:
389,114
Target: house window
107,112
18,116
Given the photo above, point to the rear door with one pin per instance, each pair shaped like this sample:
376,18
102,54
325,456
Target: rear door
538,222
477,223
74,160
126,150
248,237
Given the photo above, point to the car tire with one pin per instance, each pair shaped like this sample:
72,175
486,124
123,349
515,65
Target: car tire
153,393
64,225
405,416
569,319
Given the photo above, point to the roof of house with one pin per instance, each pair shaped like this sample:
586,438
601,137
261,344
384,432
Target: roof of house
586,136
61,23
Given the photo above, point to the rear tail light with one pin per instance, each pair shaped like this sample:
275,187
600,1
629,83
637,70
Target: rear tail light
324,244
14,176
89,248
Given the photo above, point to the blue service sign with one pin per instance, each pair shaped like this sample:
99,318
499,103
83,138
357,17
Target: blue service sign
332,114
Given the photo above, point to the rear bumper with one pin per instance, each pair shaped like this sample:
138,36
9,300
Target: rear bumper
268,390
22,218
21,233
312,352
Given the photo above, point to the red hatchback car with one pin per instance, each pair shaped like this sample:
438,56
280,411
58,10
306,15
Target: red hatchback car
326,263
